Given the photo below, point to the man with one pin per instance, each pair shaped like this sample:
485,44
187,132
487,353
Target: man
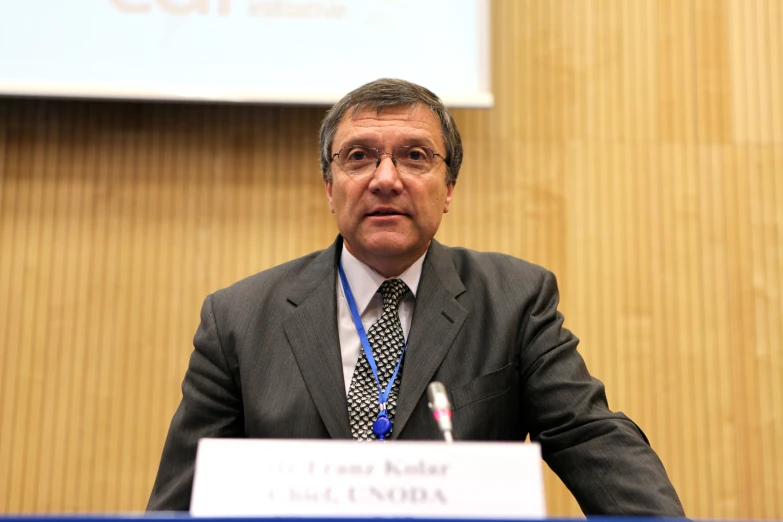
301,350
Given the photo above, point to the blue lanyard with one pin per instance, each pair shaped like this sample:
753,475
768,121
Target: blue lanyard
382,425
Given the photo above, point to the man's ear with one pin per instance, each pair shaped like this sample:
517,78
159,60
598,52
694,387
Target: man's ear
449,195
328,189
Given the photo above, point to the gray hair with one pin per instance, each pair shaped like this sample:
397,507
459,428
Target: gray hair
389,92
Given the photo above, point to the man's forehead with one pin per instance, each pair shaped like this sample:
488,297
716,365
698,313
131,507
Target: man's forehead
420,119
410,110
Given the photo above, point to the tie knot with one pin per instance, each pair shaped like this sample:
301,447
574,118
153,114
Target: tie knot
392,291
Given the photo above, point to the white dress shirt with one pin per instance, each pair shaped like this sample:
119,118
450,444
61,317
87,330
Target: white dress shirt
365,283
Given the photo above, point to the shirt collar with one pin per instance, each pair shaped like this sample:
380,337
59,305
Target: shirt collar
365,281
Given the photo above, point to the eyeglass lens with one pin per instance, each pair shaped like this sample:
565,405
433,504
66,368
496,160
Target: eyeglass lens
359,159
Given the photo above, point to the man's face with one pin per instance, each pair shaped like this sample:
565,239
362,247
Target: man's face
387,219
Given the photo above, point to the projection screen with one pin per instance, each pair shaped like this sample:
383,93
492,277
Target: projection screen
262,51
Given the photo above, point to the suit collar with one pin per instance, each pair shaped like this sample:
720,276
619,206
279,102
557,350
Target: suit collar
437,319
311,330
323,266
443,267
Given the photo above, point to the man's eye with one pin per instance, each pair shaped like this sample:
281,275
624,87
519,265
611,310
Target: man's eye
416,154
357,154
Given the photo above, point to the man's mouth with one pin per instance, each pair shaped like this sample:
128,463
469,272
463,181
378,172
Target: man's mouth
385,213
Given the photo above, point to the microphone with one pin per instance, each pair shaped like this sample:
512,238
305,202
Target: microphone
440,406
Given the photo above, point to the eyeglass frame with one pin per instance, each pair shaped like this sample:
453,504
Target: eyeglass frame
394,160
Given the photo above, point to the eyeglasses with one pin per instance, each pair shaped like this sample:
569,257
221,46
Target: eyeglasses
358,160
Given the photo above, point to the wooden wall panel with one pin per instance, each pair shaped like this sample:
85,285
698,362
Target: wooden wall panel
636,149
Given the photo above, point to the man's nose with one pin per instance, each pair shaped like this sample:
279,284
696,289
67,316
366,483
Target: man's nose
386,176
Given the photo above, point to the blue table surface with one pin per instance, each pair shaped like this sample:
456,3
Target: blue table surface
143,517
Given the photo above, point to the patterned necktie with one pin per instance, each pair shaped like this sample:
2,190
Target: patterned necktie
387,341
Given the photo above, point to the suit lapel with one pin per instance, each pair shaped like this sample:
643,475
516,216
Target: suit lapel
437,319
312,333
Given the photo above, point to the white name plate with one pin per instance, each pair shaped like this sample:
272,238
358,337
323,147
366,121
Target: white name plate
327,478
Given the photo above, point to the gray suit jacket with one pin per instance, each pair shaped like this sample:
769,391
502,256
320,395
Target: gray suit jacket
267,363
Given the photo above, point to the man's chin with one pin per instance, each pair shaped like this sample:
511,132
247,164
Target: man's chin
389,244
387,247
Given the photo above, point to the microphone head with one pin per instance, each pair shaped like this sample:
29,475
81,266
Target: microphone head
438,397
440,406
